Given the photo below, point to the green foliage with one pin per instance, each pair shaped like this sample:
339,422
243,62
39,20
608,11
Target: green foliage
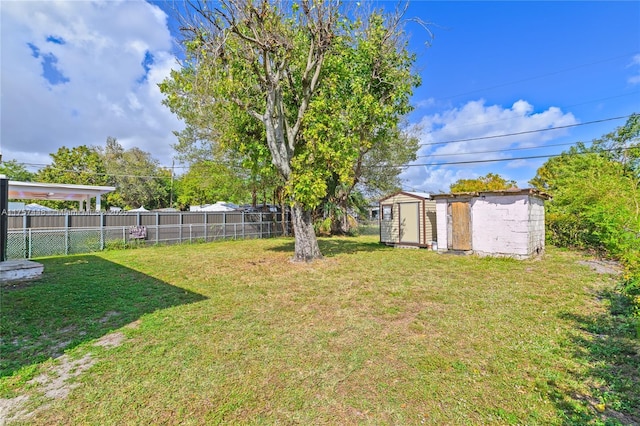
490,182
596,199
207,182
323,226
318,90
138,179
81,165
368,84
236,143
15,171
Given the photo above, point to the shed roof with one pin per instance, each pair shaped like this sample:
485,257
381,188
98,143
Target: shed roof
514,191
55,191
421,195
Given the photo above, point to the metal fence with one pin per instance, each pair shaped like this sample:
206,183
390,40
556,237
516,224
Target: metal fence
71,233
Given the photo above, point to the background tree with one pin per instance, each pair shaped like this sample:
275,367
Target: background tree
490,182
622,145
596,198
236,144
81,165
138,178
269,60
15,171
207,182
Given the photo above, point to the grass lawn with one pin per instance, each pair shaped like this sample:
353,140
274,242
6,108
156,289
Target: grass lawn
233,333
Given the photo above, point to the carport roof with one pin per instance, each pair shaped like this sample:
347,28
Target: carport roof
55,191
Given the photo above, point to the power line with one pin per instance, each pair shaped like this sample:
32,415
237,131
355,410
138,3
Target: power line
603,99
524,132
404,165
497,150
495,160
566,106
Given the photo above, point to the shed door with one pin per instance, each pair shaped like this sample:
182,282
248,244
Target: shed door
409,222
460,225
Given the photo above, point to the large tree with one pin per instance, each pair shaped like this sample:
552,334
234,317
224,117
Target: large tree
369,90
137,176
276,62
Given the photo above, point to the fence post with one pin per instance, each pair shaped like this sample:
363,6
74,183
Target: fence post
66,234
243,224
205,226
224,226
25,236
101,231
180,222
157,228
24,232
190,232
124,235
30,242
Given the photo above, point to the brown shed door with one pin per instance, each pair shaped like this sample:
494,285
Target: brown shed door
460,225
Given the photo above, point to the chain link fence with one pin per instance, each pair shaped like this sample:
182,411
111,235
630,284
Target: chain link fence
368,227
27,243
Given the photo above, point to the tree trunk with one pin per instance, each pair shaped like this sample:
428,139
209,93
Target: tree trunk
306,244
340,223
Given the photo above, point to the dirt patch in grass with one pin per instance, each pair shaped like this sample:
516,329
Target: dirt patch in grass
603,266
110,340
54,383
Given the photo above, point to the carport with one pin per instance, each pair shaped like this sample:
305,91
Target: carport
60,192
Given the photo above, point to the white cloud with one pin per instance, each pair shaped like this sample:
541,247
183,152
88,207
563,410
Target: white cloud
468,130
425,103
110,56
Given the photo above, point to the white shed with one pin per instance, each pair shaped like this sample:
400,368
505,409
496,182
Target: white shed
506,223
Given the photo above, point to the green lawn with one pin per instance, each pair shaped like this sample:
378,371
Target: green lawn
233,333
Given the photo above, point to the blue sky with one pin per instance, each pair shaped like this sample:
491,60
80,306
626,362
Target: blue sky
76,72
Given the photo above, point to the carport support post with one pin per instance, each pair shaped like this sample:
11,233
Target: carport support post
4,216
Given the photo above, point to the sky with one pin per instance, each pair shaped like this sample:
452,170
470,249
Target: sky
547,74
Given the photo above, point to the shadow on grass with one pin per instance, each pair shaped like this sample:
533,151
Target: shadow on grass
333,246
611,351
78,298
